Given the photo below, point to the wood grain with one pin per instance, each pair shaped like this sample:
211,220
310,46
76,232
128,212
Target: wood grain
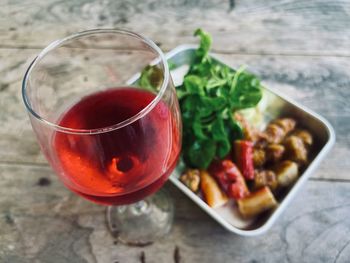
51,224
298,47
17,141
269,27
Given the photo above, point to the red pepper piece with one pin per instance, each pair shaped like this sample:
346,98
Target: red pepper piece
243,151
231,170
229,178
219,170
238,190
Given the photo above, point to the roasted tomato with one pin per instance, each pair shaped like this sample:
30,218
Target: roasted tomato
243,153
229,178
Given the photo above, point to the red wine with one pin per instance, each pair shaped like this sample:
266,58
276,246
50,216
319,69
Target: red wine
123,165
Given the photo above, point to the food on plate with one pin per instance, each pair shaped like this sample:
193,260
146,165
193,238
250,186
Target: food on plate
265,178
229,178
257,202
255,173
269,154
226,152
151,78
236,158
209,96
213,195
287,173
274,133
277,130
305,136
287,124
274,152
259,157
191,178
250,133
295,149
243,155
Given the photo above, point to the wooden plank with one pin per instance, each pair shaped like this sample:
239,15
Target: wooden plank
320,83
271,26
46,223
17,142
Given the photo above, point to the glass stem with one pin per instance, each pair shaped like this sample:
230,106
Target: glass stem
141,223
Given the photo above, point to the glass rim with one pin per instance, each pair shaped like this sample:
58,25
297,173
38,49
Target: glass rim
59,42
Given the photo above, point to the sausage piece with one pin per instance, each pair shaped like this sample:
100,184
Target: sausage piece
259,157
257,202
274,152
287,124
277,130
305,136
265,178
295,149
274,133
287,173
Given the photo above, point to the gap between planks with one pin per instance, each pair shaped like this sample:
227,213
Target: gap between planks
45,165
217,51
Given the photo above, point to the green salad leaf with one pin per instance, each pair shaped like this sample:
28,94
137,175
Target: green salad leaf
210,94
151,78
204,46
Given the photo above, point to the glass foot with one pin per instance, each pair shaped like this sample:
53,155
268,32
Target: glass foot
142,223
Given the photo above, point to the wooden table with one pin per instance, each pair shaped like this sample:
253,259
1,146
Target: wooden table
300,47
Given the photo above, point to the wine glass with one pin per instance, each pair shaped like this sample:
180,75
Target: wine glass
104,109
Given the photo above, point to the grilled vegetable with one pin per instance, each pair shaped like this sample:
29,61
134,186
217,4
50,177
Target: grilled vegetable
265,178
230,178
257,202
213,195
225,173
191,178
238,189
274,152
287,173
243,151
296,150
